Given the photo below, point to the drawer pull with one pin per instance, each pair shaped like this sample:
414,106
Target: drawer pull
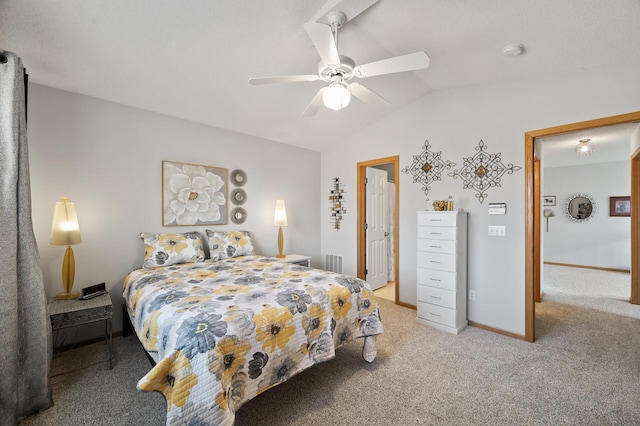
435,246
434,261
434,315
434,279
435,297
435,233
435,220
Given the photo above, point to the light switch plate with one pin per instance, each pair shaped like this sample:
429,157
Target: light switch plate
497,231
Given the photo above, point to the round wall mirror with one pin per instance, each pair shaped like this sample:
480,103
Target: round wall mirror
580,208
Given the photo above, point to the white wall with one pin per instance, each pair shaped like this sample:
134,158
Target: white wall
107,158
635,140
454,121
605,241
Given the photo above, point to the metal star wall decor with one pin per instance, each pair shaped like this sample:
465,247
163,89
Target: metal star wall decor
427,167
483,171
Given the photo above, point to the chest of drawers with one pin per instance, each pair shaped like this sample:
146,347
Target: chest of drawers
442,270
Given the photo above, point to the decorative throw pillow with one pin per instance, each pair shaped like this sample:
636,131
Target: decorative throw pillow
225,245
171,249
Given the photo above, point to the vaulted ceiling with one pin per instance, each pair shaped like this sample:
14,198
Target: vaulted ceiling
193,59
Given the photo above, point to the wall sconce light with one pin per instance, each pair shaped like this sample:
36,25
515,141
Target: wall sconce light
547,214
280,219
65,231
584,148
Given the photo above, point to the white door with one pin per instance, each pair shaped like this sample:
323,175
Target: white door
376,232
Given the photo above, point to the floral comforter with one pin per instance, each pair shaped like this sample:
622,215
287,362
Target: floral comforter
224,331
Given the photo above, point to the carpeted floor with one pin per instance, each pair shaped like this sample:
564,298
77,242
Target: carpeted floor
584,369
591,288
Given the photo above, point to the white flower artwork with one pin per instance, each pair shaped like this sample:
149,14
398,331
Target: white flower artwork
193,194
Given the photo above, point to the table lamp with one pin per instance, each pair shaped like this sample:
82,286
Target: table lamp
65,231
280,219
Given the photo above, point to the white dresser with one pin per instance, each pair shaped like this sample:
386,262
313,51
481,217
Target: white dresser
442,270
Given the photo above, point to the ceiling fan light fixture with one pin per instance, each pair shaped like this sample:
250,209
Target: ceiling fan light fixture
337,96
584,148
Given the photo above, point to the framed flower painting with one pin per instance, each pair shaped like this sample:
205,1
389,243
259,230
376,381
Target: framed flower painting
193,194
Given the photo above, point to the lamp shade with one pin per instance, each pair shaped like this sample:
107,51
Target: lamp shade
65,230
280,216
337,96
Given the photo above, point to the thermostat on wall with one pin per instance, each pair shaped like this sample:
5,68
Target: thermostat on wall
497,208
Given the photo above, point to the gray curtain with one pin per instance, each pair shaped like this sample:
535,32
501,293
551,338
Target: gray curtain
25,345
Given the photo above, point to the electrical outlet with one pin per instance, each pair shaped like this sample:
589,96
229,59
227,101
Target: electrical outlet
497,231
472,295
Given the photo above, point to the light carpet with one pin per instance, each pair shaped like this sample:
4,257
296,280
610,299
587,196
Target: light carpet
584,369
605,291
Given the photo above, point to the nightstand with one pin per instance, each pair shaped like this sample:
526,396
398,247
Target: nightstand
75,312
297,259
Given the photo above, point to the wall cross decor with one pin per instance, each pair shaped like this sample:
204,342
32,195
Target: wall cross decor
483,171
427,167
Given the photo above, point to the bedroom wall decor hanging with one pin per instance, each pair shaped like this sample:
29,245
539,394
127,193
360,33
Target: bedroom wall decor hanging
238,177
483,171
580,208
238,215
620,206
193,194
337,203
427,167
238,196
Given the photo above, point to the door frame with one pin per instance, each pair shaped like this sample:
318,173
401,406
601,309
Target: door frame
362,215
532,214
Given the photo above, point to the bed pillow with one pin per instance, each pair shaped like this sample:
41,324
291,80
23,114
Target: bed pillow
171,249
225,245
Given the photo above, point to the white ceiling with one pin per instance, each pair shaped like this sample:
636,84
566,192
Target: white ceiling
192,59
612,143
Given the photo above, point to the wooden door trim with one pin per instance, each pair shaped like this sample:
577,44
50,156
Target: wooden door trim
537,239
635,227
530,182
362,216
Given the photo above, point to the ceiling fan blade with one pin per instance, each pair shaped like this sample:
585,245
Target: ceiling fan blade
315,104
322,38
282,79
410,62
367,96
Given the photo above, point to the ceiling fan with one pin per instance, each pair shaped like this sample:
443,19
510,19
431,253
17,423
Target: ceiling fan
338,70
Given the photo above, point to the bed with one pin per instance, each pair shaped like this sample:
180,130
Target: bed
225,329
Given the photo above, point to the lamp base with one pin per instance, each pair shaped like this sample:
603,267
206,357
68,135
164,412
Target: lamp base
280,256
67,296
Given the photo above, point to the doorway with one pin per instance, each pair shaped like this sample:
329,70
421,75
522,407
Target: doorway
362,217
532,215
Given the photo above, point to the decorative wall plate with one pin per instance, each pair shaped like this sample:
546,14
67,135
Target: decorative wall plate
238,215
238,177
238,196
